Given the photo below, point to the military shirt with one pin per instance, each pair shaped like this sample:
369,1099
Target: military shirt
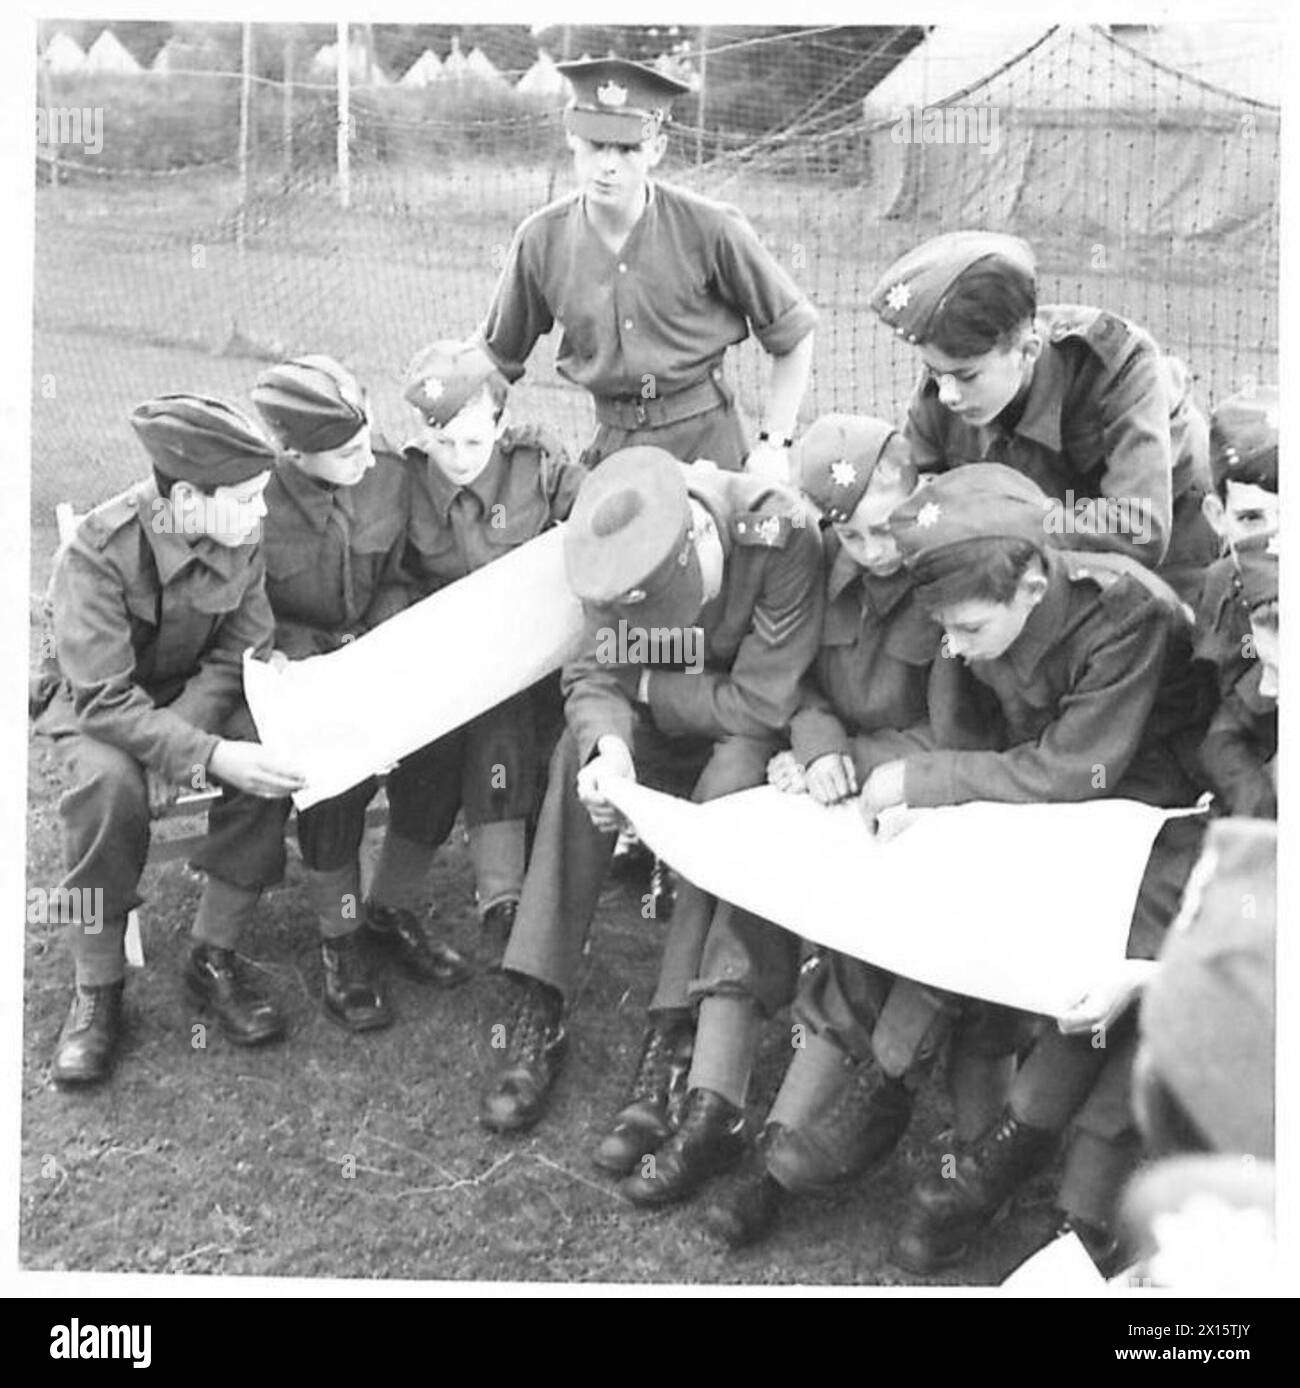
1106,415
1240,747
1098,696
691,279
149,634
1223,625
873,663
528,485
760,632
334,555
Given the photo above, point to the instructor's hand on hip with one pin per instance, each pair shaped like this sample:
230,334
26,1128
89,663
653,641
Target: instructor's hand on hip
612,762
249,767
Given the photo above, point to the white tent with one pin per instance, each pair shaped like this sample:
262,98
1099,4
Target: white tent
170,56
455,63
543,78
63,54
1062,107
106,54
479,65
1243,57
326,62
424,70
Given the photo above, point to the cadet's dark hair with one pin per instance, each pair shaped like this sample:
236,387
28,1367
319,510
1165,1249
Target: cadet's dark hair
165,484
984,569
985,309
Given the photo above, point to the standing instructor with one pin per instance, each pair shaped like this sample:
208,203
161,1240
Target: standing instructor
650,284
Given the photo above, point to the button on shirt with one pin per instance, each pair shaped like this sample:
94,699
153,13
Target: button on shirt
333,555
691,279
150,631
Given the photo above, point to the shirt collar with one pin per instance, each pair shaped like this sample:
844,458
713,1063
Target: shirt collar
1041,418
314,501
172,551
443,491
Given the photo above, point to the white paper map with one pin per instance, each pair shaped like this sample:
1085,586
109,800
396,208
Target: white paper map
1027,905
353,713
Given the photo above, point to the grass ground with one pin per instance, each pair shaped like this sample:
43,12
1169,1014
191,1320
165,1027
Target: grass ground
221,1160
217,1160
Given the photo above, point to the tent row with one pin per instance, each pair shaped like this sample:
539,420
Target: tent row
108,55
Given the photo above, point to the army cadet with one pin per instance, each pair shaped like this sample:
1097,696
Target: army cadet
727,570
1078,399
480,487
1243,509
152,605
1083,662
866,1037
333,543
1239,753
650,285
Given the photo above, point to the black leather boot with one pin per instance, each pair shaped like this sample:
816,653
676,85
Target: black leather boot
711,1138
946,1214
88,1042
748,1204
352,996
535,1047
217,981
400,933
859,1130
658,1087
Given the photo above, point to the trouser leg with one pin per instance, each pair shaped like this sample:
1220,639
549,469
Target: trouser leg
105,814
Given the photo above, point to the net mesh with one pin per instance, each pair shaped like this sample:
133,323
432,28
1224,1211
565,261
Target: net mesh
163,263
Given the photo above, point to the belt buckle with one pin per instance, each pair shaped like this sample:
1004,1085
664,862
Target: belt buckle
639,414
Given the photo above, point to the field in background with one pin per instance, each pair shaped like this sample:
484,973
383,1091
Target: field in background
156,279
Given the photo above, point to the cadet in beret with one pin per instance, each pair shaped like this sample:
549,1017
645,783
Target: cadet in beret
1079,400
1239,753
480,487
848,1092
650,285
724,572
1080,665
334,541
151,607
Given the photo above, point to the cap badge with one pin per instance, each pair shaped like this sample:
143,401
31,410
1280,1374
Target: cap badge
899,296
433,388
769,530
611,94
844,473
633,595
928,515
1272,546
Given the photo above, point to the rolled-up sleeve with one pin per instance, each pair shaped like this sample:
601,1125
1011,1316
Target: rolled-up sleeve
518,314
750,279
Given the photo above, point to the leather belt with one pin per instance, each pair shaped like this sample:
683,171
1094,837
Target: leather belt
664,409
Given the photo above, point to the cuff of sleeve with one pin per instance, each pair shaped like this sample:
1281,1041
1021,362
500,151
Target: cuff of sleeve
180,763
928,780
785,333
808,744
511,370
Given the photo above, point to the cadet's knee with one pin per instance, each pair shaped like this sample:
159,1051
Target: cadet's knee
109,779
